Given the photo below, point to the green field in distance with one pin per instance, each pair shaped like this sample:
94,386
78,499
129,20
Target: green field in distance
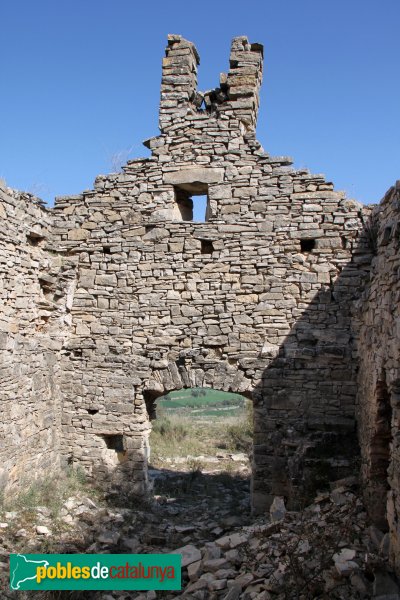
202,402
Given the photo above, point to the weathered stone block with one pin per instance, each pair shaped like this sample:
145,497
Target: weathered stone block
106,280
193,175
78,234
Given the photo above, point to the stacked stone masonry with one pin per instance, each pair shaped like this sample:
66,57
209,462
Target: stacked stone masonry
378,394
36,288
125,297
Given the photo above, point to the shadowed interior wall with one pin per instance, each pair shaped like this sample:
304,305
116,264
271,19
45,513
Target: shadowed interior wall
33,324
379,376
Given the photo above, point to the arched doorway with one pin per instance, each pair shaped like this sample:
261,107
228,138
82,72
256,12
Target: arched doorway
201,447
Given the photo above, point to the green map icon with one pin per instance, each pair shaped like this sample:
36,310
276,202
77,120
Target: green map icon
95,572
23,569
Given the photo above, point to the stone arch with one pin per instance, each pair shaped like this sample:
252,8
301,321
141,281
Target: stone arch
198,368
218,375
179,375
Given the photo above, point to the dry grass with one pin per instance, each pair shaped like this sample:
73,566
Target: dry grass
184,436
51,493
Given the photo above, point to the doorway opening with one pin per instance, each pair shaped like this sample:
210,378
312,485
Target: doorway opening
201,446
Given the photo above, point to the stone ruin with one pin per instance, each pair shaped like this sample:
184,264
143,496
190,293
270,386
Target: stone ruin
287,292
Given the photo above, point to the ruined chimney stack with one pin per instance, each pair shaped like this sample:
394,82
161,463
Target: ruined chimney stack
237,97
179,79
244,80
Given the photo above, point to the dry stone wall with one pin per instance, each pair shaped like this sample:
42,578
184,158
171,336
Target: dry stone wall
256,299
379,375
117,296
33,322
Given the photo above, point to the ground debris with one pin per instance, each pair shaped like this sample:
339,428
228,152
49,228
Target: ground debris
327,550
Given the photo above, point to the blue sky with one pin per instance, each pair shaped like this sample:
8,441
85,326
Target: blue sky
81,78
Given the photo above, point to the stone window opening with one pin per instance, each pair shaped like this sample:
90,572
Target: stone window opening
192,201
114,451
34,238
46,283
307,245
114,442
207,247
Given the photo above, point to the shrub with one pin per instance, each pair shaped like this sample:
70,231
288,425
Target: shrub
50,492
240,435
170,429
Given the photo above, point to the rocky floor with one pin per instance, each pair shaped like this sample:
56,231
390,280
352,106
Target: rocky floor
327,550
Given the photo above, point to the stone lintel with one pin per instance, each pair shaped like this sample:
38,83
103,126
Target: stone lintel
194,175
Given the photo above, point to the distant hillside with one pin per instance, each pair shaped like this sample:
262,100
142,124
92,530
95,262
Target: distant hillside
198,398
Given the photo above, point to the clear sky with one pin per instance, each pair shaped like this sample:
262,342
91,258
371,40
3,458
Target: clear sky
80,84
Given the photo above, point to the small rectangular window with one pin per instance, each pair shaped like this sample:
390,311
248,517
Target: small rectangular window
34,239
114,442
207,247
192,201
307,244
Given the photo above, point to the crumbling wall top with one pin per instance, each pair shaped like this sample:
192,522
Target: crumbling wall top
235,98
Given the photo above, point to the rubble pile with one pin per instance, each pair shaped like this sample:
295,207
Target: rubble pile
327,550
